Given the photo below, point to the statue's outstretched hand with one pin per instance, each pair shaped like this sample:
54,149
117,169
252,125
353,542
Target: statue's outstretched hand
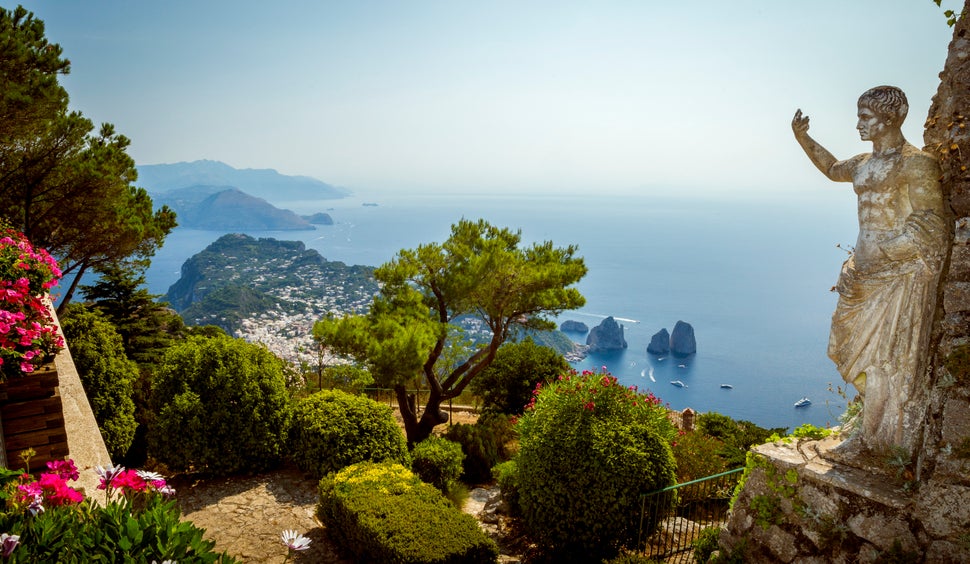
799,123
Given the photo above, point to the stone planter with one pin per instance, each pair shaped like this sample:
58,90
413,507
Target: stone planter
32,417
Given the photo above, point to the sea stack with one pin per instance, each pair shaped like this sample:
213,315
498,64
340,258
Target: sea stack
682,342
659,343
607,336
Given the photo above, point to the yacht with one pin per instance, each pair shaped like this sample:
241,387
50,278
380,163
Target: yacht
803,402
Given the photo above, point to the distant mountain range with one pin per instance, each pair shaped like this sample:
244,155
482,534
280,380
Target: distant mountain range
262,183
214,196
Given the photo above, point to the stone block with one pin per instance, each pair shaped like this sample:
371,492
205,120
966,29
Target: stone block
781,544
956,295
956,421
883,530
819,501
946,551
944,509
960,264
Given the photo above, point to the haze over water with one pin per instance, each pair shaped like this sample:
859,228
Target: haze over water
751,276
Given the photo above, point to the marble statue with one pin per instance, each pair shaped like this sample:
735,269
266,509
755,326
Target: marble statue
887,287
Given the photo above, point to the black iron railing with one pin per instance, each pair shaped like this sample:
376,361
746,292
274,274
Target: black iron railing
672,518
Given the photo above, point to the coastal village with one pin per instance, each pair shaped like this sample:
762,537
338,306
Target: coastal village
291,289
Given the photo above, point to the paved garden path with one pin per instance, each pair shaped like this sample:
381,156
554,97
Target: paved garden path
245,515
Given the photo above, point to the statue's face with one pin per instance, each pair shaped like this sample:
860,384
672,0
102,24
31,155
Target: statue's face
870,125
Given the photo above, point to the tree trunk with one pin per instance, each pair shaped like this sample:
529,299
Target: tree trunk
66,299
948,136
419,429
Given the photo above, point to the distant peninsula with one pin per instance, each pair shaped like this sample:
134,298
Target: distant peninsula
261,183
226,208
319,218
238,277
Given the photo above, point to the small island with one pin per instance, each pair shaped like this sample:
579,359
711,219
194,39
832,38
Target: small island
571,326
319,218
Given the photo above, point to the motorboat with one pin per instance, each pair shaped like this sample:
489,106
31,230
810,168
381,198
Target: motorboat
727,386
678,383
803,402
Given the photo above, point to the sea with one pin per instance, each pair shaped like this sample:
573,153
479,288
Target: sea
751,273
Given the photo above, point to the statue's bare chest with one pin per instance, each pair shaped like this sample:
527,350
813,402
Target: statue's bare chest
881,189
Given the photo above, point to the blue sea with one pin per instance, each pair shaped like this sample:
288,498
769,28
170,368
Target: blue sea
752,275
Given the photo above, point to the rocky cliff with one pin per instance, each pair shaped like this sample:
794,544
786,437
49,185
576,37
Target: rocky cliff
607,336
659,343
682,342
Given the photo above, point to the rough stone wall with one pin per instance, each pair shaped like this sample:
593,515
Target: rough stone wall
947,424
799,506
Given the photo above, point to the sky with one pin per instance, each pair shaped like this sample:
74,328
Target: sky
515,96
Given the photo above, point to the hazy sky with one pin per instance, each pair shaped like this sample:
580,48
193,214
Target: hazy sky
525,96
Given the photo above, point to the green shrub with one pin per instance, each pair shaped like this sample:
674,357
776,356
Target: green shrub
506,385
507,476
437,461
484,445
382,512
588,448
221,405
809,431
345,377
698,456
106,373
706,543
738,435
333,429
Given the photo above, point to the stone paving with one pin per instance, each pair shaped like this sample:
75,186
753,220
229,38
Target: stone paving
245,515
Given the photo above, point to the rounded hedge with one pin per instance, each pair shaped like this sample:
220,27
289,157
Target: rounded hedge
221,405
382,512
437,461
333,429
588,448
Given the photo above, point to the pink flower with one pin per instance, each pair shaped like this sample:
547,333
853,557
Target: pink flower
129,480
65,469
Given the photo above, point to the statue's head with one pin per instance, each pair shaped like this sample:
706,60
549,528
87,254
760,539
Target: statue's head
887,102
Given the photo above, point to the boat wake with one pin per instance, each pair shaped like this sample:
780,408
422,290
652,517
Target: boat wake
601,316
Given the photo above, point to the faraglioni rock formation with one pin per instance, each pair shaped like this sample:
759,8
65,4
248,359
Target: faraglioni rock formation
607,336
659,343
573,326
682,342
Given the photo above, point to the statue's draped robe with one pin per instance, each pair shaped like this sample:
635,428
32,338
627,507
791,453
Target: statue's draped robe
887,289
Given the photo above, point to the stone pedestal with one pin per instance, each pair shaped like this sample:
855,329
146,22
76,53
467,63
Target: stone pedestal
804,502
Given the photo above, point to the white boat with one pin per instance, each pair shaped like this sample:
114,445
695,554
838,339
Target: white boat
678,383
803,402
681,366
727,386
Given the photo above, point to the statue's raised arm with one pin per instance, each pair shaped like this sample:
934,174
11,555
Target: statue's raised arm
887,288
819,155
